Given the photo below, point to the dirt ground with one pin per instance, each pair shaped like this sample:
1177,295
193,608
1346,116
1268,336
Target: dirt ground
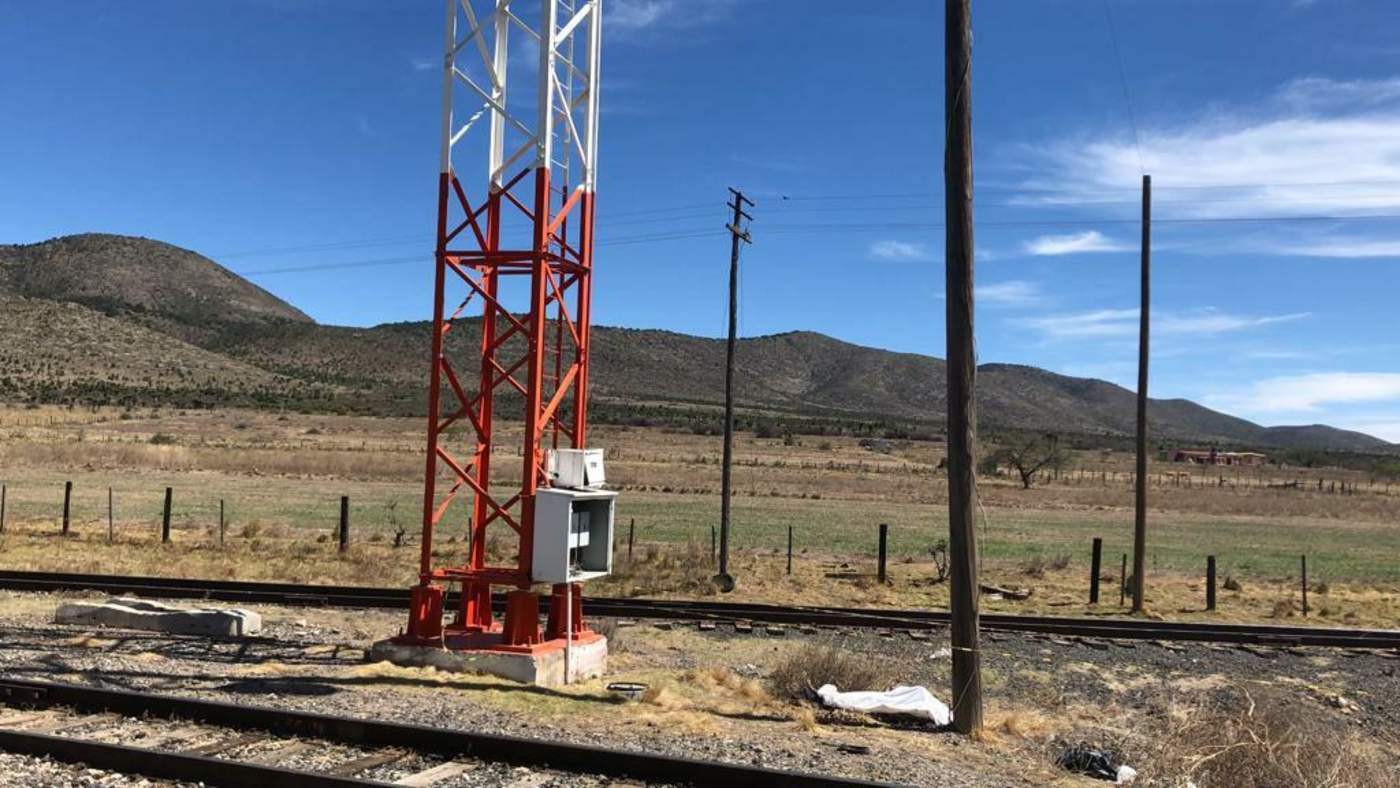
710,695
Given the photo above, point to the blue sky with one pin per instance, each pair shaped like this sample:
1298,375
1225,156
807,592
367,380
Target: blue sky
260,132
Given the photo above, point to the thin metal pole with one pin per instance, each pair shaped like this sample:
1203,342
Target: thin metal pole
631,532
1144,323
962,367
221,522
568,629
111,523
3,490
723,579
1094,563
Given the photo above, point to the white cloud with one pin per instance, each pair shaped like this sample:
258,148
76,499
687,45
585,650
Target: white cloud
1387,429
634,14
1104,323
630,16
1355,247
1315,93
1075,243
1014,292
424,63
1316,147
1311,392
900,250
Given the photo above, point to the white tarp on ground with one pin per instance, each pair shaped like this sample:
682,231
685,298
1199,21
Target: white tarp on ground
913,701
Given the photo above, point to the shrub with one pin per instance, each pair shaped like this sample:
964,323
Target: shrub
1231,584
161,439
1034,566
1258,738
797,677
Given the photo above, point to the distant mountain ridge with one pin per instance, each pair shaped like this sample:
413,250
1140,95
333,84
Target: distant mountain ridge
201,334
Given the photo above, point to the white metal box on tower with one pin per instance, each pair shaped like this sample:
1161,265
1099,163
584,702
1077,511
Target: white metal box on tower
576,468
573,535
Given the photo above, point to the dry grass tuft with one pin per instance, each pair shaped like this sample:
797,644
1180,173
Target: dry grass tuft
722,678
88,641
1027,724
797,677
1256,739
664,569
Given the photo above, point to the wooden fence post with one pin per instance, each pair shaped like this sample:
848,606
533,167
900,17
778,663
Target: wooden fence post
111,521
3,489
67,497
1210,582
1094,561
344,531
1123,581
165,517
1304,560
789,568
884,536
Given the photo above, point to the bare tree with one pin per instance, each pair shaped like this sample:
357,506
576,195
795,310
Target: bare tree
1033,455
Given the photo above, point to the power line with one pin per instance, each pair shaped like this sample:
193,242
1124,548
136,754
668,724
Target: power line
423,258
1123,80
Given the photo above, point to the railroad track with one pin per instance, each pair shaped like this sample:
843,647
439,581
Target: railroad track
684,610
175,738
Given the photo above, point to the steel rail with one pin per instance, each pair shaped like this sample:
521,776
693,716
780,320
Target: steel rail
687,610
440,742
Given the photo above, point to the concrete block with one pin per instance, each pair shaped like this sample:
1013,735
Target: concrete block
129,613
543,668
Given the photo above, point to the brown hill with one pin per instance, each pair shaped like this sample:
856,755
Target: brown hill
52,351
181,311
162,285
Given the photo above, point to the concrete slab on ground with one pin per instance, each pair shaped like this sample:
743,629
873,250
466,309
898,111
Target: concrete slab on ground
131,613
543,669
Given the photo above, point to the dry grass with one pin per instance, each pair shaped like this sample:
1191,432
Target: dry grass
662,570
797,677
1257,738
281,476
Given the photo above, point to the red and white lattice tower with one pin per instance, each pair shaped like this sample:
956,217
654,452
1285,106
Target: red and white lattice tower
520,92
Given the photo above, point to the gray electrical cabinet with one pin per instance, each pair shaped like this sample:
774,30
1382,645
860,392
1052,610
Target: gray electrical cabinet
573,535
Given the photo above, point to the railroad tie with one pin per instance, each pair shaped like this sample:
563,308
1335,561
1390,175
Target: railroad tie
351,768
279,753
437,774
70,723
224,745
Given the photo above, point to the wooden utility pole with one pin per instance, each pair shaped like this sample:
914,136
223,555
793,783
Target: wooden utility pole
962,366
738,233
1144,320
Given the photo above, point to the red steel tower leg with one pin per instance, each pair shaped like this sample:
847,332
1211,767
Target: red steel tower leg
546,142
